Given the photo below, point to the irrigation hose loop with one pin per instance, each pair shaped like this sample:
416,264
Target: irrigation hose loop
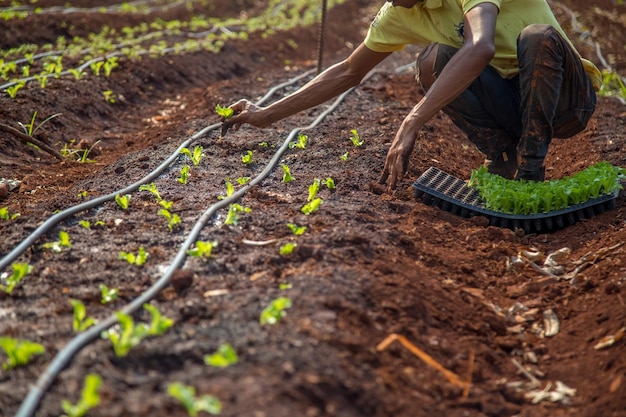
64,356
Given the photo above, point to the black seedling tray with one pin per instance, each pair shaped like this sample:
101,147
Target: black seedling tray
437,188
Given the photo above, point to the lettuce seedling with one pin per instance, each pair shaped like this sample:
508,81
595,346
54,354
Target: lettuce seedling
225,112
344,157
330,183
195,156
122,201
311,206
230,190
12,91
172,218
96,67
152,189
89,398
287,248
287,177
301,143
355,138
107,295
5,215
275,311
131,335
81,322
77,73
313,189
233,213
109,65
184,173
109,96
186,394
243,180
295,229
133,259
285,286
18,351
224,357
202,249
63,242
82,194
20,270
246,158
85,223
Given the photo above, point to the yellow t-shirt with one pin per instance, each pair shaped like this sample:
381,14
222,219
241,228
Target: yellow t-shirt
441,21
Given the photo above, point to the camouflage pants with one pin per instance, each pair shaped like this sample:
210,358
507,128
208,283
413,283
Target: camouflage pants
517,118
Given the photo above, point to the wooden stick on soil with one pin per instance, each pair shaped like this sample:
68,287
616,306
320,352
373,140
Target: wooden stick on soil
449,375
25,139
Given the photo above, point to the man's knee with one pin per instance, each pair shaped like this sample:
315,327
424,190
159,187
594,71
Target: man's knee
536,33
430,62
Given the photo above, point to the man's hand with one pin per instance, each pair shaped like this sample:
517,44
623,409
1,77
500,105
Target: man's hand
397,161
245,111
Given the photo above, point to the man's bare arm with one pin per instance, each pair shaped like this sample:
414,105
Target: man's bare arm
478,49
330,83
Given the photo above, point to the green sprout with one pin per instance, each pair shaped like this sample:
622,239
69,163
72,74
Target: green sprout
355,138
225,112
285,286
122,201
195,156
301,143
20,270
85,223
233,213
130,334
96,67
63,242
230,190
246,158
184,172
109,65
287,177
202,249
12,91
172,218
287,248
133,259
295,229
81,322
243,180
224,357
82,194
18,351
330,183
5,215
107,295
311,206
344,157
313,189
275,311
264,144
109,96
152,189
89,398
77,73
186,394
30,129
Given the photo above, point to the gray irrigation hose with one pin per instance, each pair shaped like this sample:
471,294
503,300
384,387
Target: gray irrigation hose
63,357
48,224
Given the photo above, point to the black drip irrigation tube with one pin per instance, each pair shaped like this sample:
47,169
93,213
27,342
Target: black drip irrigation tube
65,355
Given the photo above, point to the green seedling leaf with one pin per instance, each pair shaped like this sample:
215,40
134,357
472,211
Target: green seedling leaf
172,219
311,206
329,183
233,213
287,177
4,213
295,229
122,201
81,321
107,294
264,145
243,180
152,189
225,112
246,158
158,323
285,286
184,174
90,398
300,143
195,156
82,194
224,357
20,270
287,248
275,311
85,223
230,190
19,352
344,157
167,205
63,242
186,394
109,96
355,138
202,249
133,259
313,189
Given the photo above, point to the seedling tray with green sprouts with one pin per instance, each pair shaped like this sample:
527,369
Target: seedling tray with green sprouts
533,207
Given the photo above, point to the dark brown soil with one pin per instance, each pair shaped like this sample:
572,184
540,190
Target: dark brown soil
369,264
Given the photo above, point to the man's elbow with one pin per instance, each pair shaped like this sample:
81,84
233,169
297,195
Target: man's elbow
484,51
